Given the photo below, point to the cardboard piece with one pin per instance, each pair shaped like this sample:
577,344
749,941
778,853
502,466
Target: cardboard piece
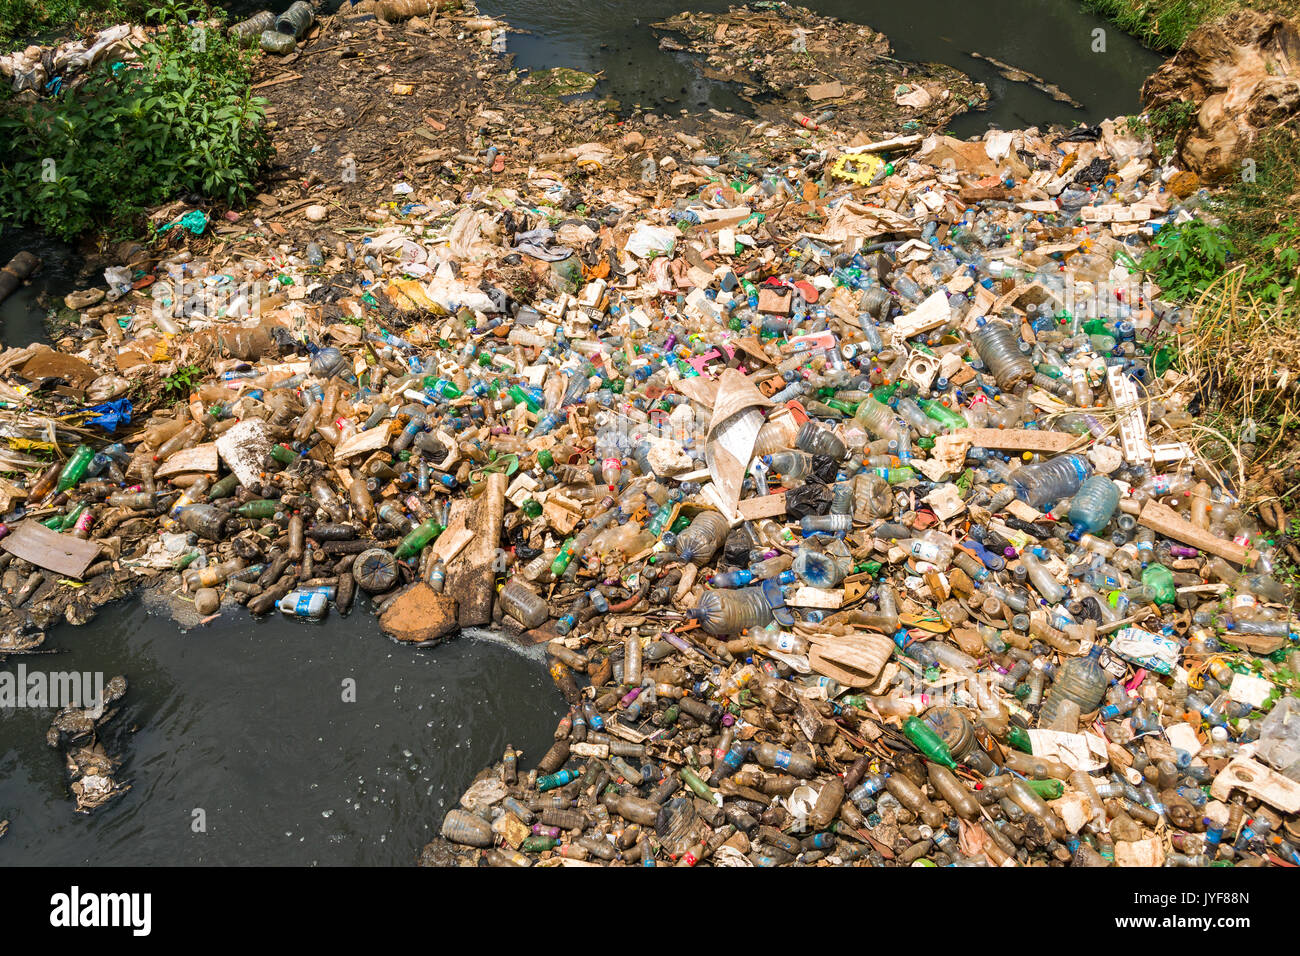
199,458
737,417
61,553
372,439
1262,782
768,506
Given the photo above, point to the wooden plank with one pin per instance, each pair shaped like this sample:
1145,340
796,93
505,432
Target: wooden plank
1019,439
1168,522
60,553
767,506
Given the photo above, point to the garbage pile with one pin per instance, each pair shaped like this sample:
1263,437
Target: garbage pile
849,484
784,57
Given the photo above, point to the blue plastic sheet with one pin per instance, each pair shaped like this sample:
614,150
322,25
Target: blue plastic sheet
110,414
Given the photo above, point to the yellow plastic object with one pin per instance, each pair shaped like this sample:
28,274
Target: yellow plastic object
408,294
857,169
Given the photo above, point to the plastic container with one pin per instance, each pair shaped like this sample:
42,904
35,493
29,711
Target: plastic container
701,541
1080,679
375,571
247,32
1042,484
304,605
730,612
1093,506
816,440
297,20
525,606
998,346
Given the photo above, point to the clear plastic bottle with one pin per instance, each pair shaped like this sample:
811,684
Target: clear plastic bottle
525,606
1040,577
932,546
730,612
790,465
816,440
701,541
998,346
825,524
1042,484
1093,506
1080,679
877,418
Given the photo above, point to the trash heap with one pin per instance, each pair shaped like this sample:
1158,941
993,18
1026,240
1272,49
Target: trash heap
849,485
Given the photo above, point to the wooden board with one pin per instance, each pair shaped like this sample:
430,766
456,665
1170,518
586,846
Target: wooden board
1168,522
1019,439
60,553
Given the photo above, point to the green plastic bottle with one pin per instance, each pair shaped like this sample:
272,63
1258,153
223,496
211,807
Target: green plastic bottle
1159,583
941,413
895,476
261,508
1018,737
417,538
1047,789
561,562
442,387
930,744
283,454
885,393
76,467
522,397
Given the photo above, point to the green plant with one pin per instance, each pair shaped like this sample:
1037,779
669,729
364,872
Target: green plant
179,119
23,20
1188,258
178,385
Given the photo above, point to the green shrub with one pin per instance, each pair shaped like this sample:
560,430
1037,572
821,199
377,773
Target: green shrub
178,120
21,20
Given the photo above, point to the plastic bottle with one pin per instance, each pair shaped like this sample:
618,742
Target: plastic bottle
998,346
777,758
1093,506
76,466
1080,679
305,605
525,606
1042,484
818,441
877,418
730,612
700,542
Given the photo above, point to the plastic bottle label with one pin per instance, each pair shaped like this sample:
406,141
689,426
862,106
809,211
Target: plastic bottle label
303,606
782,761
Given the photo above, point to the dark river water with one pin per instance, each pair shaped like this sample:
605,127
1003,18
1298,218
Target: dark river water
245,721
